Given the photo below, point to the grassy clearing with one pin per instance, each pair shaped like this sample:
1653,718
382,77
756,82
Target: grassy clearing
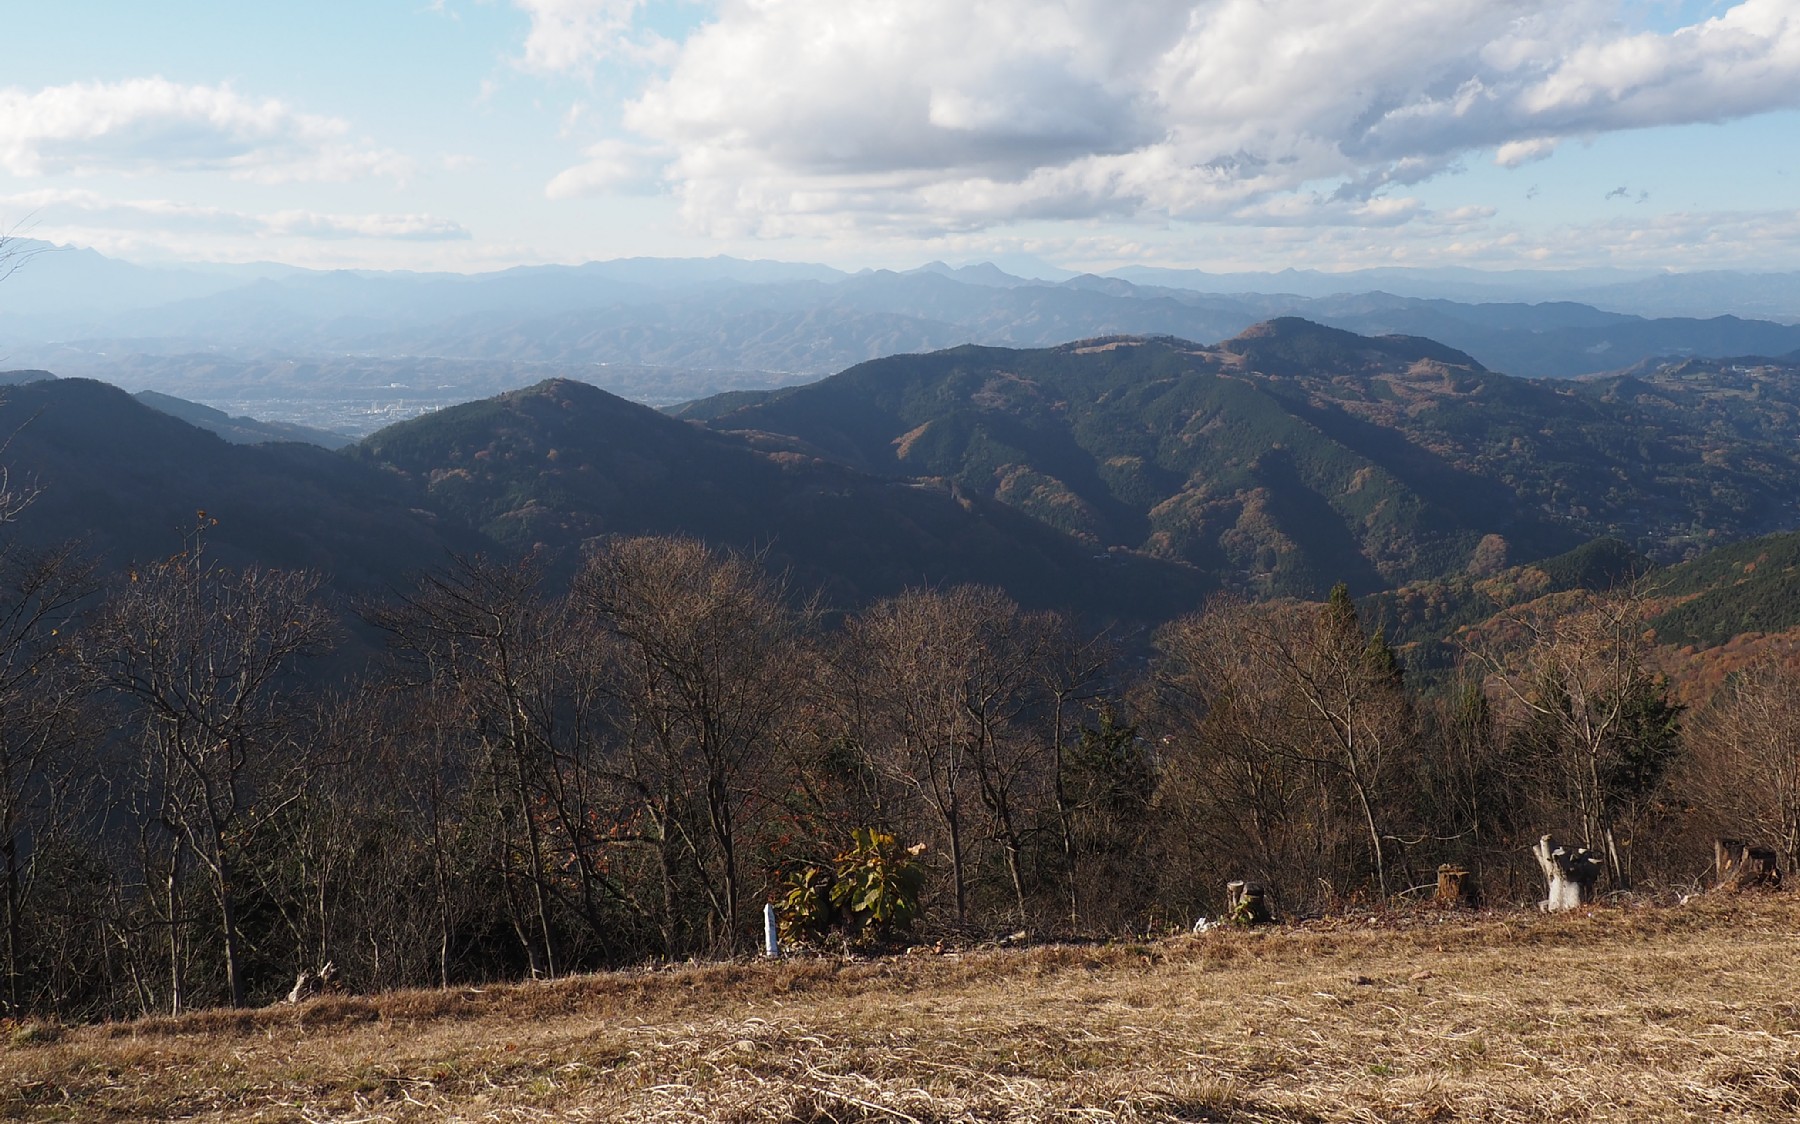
1688,1012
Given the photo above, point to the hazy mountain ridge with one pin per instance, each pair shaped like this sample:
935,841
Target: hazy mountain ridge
696,327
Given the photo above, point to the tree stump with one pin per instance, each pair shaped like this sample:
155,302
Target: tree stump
307,985
1570,871
1456,886
1742,866
1247,903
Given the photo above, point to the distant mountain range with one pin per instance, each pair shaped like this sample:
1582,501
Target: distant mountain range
1124,476
351,350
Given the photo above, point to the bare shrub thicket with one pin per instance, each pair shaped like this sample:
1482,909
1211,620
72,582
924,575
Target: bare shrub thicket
1743,771
525,776
1600,728
1287,747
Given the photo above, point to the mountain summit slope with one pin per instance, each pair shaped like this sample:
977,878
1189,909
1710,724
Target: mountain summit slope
1296,455
560,463
1293,347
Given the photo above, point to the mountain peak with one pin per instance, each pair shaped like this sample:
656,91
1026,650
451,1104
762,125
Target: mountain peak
985,274
1289,328
1292,346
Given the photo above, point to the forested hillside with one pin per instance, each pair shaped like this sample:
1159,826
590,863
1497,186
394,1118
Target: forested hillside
126,481
961,644
561,464
1296,455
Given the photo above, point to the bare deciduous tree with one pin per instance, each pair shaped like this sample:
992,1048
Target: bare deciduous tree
709,659
1071,674
964,702
1288,703
910,656
201,654
485,653
1745,771
41,729
1576,682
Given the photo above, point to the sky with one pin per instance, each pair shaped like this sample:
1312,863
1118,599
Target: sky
1224,135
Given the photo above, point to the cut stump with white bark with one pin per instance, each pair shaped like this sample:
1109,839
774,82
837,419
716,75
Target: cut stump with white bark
307,985
1570,871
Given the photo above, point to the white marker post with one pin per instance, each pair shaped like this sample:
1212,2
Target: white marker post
771,932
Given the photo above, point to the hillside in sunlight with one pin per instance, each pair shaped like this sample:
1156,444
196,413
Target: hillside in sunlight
1614,1014
1296,455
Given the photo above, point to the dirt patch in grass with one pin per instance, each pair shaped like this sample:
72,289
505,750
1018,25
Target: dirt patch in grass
1624,1014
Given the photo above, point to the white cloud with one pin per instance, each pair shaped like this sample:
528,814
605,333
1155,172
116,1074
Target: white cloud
1732,240
145,125
1767,239
410,228
1313,210
574,34
89,210
1514,154
815,116
612,167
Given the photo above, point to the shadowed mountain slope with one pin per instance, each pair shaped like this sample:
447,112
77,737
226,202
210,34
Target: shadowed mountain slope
236,429
129,480
560,463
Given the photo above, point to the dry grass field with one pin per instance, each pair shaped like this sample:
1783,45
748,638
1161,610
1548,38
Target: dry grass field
1687,1012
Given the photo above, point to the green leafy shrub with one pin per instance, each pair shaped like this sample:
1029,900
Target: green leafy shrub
871,892
806,910
877,886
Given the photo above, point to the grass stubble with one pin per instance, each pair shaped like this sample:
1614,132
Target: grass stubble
1637,1013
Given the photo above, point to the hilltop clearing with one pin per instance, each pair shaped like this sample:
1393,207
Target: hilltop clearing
1638,1013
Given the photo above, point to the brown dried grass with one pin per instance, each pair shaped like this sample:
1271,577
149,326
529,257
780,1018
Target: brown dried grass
1643,1013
